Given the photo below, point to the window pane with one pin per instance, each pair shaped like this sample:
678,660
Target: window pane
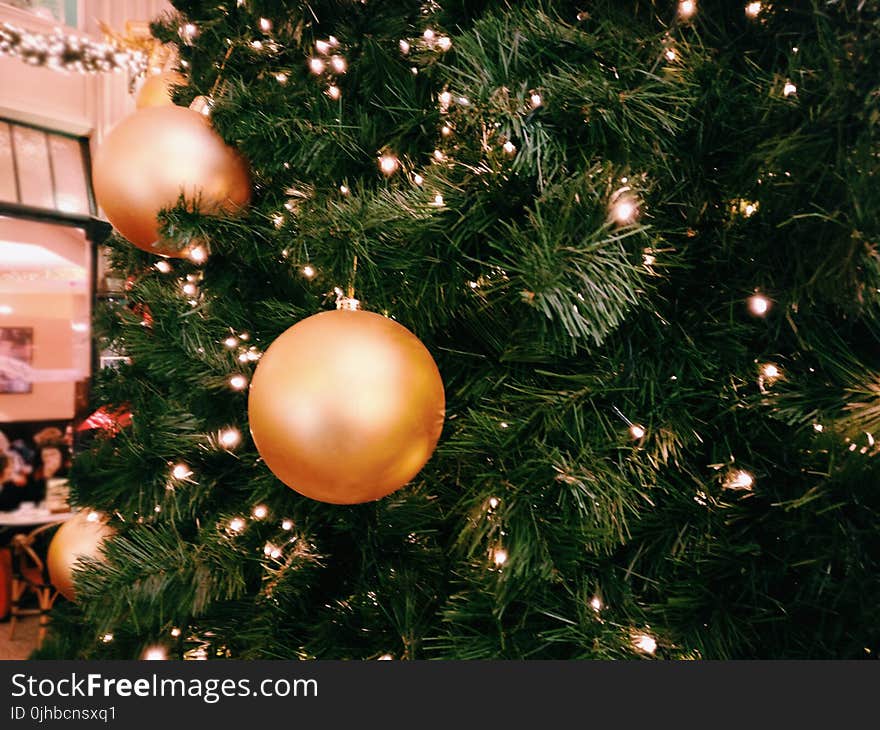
34,175
7,167
71,195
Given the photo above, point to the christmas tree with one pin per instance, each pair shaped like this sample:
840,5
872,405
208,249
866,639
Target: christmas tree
638,239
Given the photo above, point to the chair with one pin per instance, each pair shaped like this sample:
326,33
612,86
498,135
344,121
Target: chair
29,572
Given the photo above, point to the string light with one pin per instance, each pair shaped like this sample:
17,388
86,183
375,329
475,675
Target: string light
789,89
281,77
163,266
175,632
198,254
287,525
493,502
339,64
739,480
499,556
188,32
686,9
438,201
316,66
309,271
753,9
230,438
536,100
418,179
236,524
624,210
637,431
445,100
596,603
404,46
190,289
155,653
265,25
257,45
334,92
670,54
429,35
388,164
344,189
446,130
261,511
386,658
769,370
238,382
107,638
818,427
231,342
509,147
93,516
644,642
445,43
181,471
759,305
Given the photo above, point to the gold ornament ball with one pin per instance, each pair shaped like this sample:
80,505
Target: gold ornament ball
156,89
80,536
346,406
152,157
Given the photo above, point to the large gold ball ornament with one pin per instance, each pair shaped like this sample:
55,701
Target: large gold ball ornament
346,406
152,157
81,536
156,89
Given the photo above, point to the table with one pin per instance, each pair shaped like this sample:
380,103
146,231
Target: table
32,516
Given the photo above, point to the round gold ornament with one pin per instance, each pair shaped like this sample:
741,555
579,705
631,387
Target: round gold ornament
80,536
152,157
346,406
156,89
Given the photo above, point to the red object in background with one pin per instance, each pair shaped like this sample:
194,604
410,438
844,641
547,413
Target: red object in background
105,419
143,311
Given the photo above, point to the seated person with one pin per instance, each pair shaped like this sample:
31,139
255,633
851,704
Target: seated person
12,493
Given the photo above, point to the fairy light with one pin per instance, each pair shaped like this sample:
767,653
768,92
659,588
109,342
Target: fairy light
309,271
344,189
230,438
388,164
670,54
261,512
334,92
739,480
278,220
438,201
418,179
198,254
237,524
323,47
190,289
493,502
429,35
446,130
316,66
596,603
253,354
509,148
687,9
439,156
759,305
499,556
107,638
386,658
624,210
339,65
243,357
281,77
287,525
188,32
445,43
155,653
637,431
445,99
504,424
265,25
93,516
769,370
753,9
175,632
231,342
181,471
644,642
818,427
333,41
404,46
536,100
257,45
789,89
163,267
238,382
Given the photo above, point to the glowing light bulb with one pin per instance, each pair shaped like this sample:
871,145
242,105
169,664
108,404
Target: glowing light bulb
190,289
404,46
493,502
388,164
107,638
753,9
231,342
818,427
188,32
236,524
536,100
265,25
429,35
624,210
238,382
446,130
509,147
445,43
155,653
670,54
740,479
686,9
281,77
198,254
287,525
316,66
163,266
789,89
175,632
445,99
339,64
181,471
770,370
278,220
230,438
439,156
637,431
418,179
499,556
309,271
334,92
386,658
261,511
93,517
257,45
344,189
438,201
596,603
645,643
322,46
759,305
